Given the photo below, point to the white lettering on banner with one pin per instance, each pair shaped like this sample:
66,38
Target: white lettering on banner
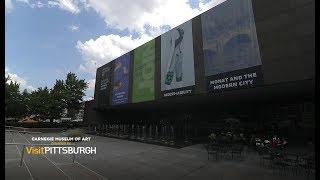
234,81
224,86
252,75
177,93
120,93
217,81
246,82
236,78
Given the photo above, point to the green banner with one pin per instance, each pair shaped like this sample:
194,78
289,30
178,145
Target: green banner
143,73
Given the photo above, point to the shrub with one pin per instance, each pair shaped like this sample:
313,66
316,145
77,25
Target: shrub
212,137
44,124
74,133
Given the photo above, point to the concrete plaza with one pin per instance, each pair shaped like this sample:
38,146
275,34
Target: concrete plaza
127,160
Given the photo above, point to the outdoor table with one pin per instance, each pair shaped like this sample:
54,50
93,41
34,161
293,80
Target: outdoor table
294,161
308,159
291,161
297,155
304,161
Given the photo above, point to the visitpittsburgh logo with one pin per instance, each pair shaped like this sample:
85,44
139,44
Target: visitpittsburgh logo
41,150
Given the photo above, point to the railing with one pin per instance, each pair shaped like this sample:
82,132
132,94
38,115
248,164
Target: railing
10,127
24,145
24,131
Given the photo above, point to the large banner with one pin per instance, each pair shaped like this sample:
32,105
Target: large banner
144,73
230,45
121,80
103,84
177,61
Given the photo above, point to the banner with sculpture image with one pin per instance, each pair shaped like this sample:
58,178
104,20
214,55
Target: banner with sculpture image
177,61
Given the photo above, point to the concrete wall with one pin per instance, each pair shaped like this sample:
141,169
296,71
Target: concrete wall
286,35
90,115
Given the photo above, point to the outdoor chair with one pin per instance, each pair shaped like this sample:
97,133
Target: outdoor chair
278,163
237,149
294,163
265,155
224,148
212,150
307,164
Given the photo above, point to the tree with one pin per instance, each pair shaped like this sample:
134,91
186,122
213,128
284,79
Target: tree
74,89
25,97
13,99
7,93
57,100
43,102
39,103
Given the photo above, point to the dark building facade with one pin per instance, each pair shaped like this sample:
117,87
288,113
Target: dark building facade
252,60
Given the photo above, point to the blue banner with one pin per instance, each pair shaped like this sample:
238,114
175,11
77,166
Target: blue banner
121,73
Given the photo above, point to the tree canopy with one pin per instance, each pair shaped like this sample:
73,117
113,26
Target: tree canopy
44,102
74,89
13,99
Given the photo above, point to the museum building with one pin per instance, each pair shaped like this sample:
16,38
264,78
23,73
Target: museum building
252,61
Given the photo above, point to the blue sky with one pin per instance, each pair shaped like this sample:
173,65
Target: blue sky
46,39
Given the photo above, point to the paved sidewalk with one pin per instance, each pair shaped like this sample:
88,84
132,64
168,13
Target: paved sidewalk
127,160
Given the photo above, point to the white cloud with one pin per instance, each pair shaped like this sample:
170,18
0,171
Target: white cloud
91,83
73,28
30,88
32,3
106,48
67,5
23,1
88,98
38,4
135,16
16,78
23,83
8,5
